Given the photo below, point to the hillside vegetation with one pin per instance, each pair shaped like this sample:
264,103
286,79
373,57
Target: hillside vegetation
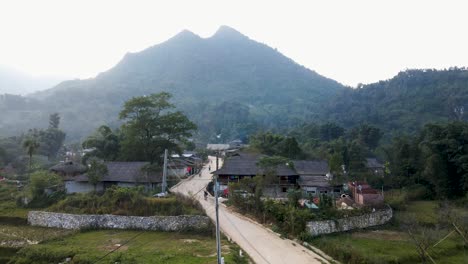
228,84
404,103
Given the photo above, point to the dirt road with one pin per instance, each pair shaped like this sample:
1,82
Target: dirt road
263,245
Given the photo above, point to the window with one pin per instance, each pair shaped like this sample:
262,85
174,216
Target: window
284,189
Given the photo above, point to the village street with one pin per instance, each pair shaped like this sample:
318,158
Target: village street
263,245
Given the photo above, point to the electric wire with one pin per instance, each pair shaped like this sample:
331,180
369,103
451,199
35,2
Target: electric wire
121,245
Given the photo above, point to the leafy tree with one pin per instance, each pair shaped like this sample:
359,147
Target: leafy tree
150,127
355,163
40,180
96,171
331,131
105,142
368,135
269,165
445,153
274,144
54,120
403,161
31,145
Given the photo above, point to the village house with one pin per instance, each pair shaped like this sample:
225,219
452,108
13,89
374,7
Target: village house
310,176
244,165
68,169
375,166
314,176
124,174
364,194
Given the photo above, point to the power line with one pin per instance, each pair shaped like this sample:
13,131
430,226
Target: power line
121,245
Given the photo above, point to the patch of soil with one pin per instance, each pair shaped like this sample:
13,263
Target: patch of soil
190,241
113,245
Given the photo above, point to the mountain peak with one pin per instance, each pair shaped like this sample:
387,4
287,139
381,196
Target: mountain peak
185,34
226,31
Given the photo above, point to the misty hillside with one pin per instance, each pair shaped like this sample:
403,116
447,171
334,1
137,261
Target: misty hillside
232,86
15,82
227,84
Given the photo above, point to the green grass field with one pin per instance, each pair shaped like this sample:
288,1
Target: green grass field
388,244
144,247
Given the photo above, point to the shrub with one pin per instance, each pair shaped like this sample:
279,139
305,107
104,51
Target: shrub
126,201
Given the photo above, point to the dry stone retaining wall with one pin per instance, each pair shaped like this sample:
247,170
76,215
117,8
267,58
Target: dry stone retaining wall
157,223
380,217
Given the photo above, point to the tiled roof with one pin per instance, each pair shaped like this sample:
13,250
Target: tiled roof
68,167
246,164
314,181
126,172
311,167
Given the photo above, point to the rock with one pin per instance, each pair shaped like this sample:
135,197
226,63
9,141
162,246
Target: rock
157,223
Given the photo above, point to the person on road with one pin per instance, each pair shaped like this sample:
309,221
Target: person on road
205,194
209,168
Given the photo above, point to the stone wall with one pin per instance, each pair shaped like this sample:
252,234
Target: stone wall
157,223
380,217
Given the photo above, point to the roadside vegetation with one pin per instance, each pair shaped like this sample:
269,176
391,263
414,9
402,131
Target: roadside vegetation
126,201
419,225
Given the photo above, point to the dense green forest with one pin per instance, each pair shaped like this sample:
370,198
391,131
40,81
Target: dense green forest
405,103
435,158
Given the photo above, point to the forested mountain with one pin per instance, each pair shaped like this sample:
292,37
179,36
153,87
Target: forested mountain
15,82
228,84
232,86
404,103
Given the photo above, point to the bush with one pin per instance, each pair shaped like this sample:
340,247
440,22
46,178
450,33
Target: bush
126,201
418,192
42,255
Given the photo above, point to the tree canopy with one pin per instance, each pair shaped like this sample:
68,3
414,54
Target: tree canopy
150,127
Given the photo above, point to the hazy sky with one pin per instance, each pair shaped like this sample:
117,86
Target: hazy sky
349,41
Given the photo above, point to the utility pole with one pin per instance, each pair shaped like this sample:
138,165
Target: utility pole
218,238
164,179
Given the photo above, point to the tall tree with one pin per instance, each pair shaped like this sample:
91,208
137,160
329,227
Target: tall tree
54,120
150,127
51,139
31,145
106,144
445,153
274,144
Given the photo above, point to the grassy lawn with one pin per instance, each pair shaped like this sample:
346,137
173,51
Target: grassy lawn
21,235
144,247
386,246
8,206
389,245
423,211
